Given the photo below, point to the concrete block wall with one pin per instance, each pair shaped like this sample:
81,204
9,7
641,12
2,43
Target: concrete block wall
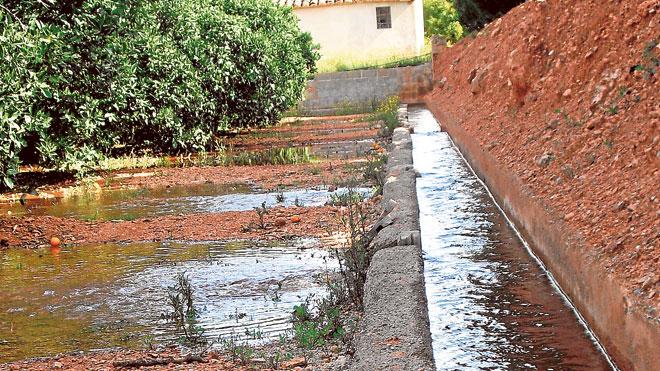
362,90
394,333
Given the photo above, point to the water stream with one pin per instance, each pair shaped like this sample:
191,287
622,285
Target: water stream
91,297
491,306
128,204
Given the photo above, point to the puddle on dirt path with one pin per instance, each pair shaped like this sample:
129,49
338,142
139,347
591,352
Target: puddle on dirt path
93,297
490,305
141,203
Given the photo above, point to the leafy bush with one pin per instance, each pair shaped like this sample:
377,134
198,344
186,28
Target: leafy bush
441,18
313,330
83,79
387,112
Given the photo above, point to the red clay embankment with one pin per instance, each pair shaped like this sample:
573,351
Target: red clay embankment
556,106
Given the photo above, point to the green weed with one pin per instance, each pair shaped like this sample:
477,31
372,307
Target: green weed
184,314
346,198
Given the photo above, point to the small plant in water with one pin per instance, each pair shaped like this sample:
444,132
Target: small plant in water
148,342
346,198
261,214
298,203
279,197
92,217
184,314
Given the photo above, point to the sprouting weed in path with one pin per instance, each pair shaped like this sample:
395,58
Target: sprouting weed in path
374,171
354,259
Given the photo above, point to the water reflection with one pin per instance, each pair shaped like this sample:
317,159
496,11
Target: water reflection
490,305
140,203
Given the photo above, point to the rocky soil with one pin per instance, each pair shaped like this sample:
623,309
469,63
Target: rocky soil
565,94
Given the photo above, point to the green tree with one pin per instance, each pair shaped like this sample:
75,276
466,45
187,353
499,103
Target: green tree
441,18
80,80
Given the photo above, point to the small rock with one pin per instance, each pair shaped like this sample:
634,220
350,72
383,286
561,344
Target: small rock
648,282
57,364
472,75
280,222
477,82
567,93
332,188
620,205
545,160
295,362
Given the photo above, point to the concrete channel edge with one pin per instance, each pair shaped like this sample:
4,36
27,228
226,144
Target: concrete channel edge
394,332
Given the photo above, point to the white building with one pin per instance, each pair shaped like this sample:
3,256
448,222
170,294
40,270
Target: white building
362,29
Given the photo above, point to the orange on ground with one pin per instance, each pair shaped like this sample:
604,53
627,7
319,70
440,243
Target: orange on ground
295,219
55,242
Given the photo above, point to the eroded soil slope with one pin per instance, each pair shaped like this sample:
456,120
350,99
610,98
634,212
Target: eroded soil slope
564,93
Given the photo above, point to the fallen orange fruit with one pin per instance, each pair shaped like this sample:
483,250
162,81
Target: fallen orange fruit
55,242
295,219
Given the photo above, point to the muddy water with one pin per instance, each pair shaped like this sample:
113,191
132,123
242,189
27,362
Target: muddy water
335,149
490,305
93,297
204,198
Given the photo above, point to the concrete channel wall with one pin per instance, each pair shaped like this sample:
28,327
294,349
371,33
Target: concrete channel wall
361,90
394,332
629,336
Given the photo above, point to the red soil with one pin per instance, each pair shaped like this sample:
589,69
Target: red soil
264,176
552,92
37,231
105,360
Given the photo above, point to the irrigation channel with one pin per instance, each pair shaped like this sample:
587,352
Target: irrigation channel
491,305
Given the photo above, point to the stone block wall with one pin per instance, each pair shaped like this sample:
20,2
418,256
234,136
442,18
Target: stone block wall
362,90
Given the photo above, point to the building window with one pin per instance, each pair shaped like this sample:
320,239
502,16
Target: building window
383,17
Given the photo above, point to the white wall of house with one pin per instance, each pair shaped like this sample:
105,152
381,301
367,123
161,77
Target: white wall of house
349,30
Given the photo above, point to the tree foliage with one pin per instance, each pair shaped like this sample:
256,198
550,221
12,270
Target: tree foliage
441,18
81,79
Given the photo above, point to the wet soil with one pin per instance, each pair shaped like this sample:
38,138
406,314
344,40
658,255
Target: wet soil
34,232
562,93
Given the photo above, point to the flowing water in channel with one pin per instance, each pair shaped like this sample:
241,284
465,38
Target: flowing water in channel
491,306
91,297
